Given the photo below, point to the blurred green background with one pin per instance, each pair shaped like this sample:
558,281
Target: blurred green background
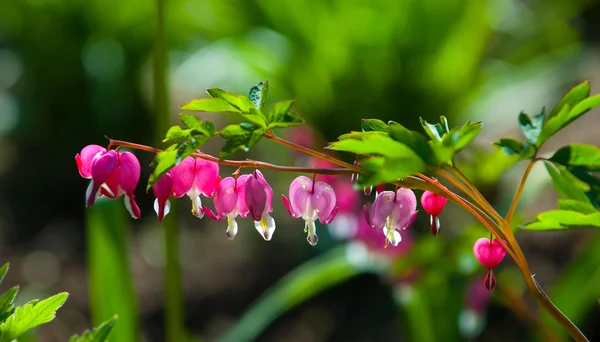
74,71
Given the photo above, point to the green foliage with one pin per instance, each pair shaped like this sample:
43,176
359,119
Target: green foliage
7,305
281,117
3,271
377,125
572,106
513,147
532,127
97,334
33,314
258,94
578,155
447,142
564,219
240,138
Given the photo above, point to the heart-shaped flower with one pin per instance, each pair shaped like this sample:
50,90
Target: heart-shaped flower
489,253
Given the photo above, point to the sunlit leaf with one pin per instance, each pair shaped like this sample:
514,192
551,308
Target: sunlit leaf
240,102
97,334
210,105
578,206
574,96
176,135
386,170
566,184
460,137
3,271
435,131
31,315
563,219
368,125
416,141
7,306
585,156
258,94
373,143
565,116
281,117
513,147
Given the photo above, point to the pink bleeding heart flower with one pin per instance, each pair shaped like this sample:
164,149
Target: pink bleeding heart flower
392,211
433,205
162,191
230,201
489,253
311,201
371,238
259,199
193,177
112,175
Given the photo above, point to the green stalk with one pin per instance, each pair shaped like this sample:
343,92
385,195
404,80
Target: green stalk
109,276
175,330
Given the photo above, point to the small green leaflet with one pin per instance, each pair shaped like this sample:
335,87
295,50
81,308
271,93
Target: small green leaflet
7,306
387,170
368,125
280,115
532,127
258,94
33,314
566,184
574,96
3,271
373,143
513,147
98,334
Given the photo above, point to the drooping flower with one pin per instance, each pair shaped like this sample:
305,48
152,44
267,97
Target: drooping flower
433,205
230,201
489,253
311,200
162,191
112,175
259,199
193,177
393,212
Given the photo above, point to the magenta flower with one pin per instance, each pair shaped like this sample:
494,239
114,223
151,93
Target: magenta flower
433,205
489,253
259,198
311,201
393,212
193,177
112,175
230,201
162,191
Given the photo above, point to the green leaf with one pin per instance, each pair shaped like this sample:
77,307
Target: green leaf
574,96
240,102
3,271
368,125
239,139
386,170
258,94
563,219
513,147
30,316
197,126
567,184
176,135
460,137
374,143
416,141
532,127
167,159
7,306
578,206
510,147
213,105
436,131
565,116
361,135
97,334
290,119
278,111
582,155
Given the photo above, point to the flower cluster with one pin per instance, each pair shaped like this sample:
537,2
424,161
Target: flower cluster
114,174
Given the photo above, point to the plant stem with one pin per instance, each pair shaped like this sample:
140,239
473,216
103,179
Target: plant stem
175,329
515,202
240,163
